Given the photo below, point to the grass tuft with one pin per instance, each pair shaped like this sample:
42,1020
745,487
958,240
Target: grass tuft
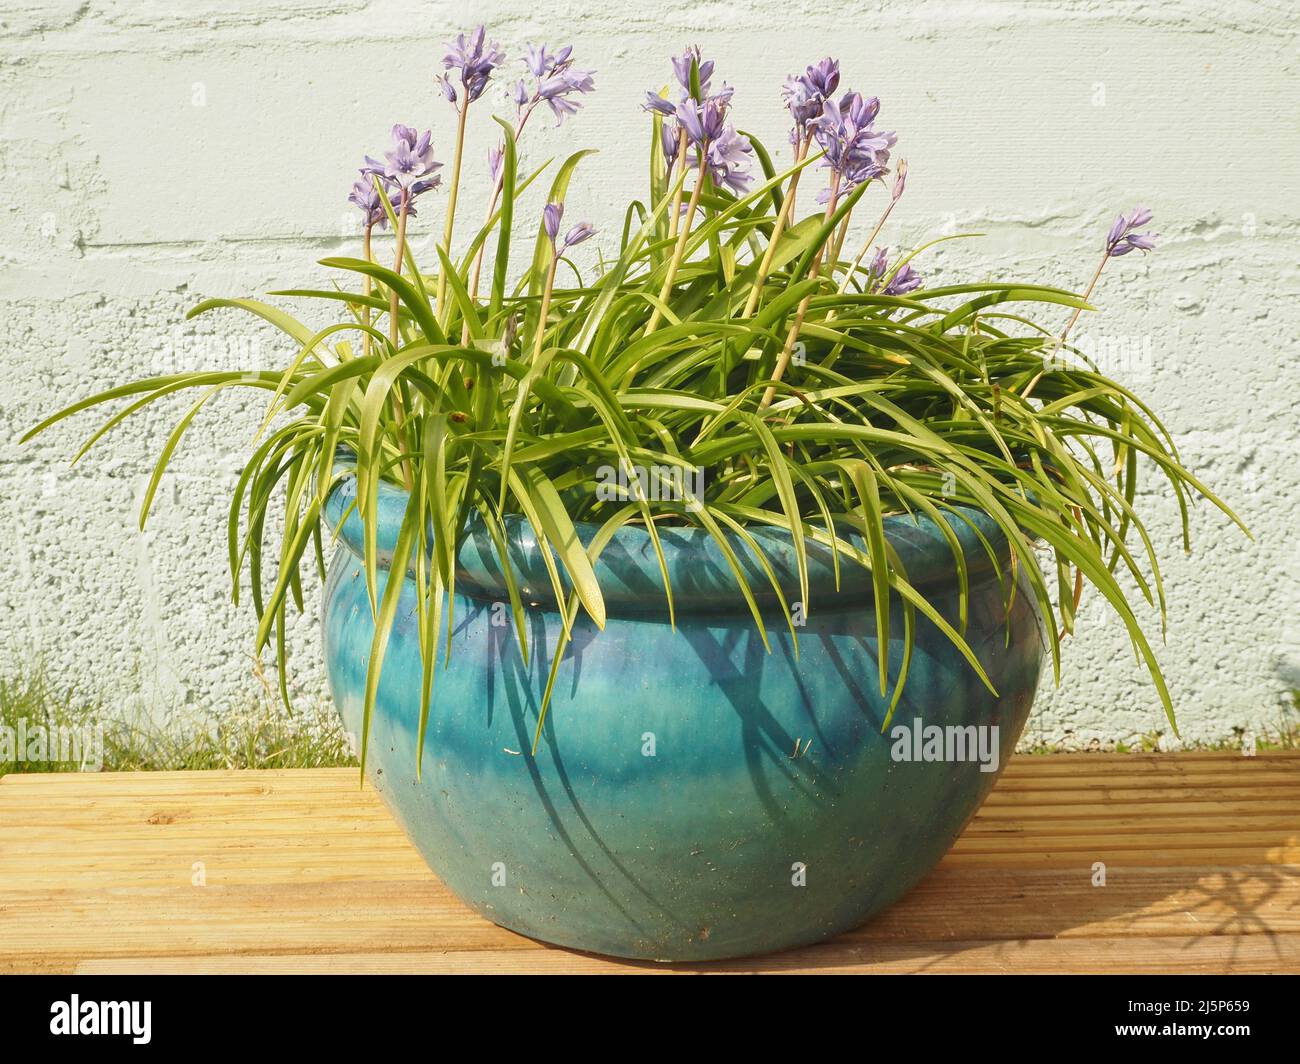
40,718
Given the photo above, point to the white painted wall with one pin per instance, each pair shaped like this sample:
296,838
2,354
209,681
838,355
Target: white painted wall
152,154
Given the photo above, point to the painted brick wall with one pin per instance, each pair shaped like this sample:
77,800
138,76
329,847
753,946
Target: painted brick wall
152,154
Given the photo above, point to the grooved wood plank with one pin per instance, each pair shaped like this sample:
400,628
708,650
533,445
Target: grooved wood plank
1184,955
305,871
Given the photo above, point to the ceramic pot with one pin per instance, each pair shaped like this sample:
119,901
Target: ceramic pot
693,795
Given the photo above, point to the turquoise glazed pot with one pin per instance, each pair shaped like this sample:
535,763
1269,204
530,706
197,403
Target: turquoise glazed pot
667,814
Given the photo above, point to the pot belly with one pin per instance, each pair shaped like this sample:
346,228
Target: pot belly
667,814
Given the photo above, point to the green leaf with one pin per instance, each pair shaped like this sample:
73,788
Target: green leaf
509,163
542,248
414,299
558,528
284,322
864,483
406,534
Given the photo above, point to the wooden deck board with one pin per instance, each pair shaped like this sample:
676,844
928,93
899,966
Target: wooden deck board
305,872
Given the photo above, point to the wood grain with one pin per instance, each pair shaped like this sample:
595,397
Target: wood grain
304,871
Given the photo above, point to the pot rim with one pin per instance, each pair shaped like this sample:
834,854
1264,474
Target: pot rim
702,581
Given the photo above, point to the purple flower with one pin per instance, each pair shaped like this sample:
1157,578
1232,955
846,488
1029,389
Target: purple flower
806,94
855,150
702,122
904,281
580,232
878,268
556,82
900,179
551,215
823,78
540,63
682,65
659,104
1122,239
703,118
495,157
408,165
474,57
727,154
557,89
366,196
668,142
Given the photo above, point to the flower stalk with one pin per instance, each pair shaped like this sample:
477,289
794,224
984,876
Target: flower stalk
474,58
551,217
1122,239
792,337
556,82
408,169
851,272
452,195
778,227
679,249
367,289
675,209
394,336
856,153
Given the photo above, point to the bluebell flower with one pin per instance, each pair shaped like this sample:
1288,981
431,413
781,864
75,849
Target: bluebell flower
682,68
1122,239
366,196
474,57
854,149
408,165
556,82
727,154
710,137
806,94
904,281
552,214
